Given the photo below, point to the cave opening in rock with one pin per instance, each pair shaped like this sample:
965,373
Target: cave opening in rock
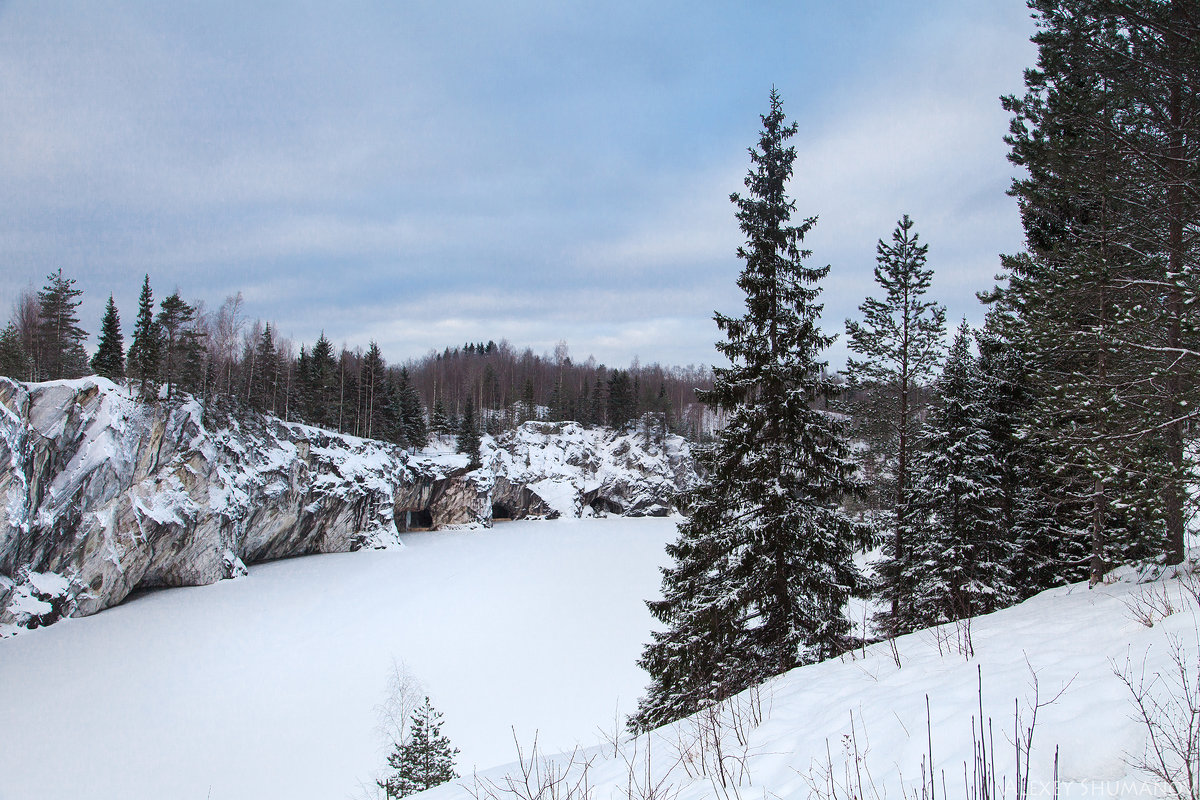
414,519
501,512
602,505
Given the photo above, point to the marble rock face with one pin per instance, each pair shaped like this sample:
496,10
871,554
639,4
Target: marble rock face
101,495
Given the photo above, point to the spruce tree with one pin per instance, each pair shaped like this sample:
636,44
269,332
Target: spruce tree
425,760
145,347
900,342
961,551
109,361
469,439
322,397
412,412
763,567
438,421
14,361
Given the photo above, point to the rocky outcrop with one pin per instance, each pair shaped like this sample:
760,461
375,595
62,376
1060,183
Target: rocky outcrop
547,469
102,495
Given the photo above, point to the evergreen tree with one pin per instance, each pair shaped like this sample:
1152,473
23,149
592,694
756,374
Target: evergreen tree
322,374
412,413
173,321
900,341
763,567
622,405
144,349
425,760
960,550
60,339
14,361
109,361
265,378
439,422
374,387
469,439
1102,298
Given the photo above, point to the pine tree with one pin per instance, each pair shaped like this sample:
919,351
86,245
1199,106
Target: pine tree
469,440
60,339
265,381
109,361
900,341
374,387
763,567
425,760
622,405
144,349
173,321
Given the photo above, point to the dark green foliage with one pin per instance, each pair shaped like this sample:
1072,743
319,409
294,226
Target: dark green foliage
411,413
14,361
174,321
763,567
60,351
425,760
469,439
961,550
1102,305
146,345
622,402
109,361
439,422
322,385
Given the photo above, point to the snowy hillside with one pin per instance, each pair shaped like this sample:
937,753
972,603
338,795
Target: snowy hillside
865,725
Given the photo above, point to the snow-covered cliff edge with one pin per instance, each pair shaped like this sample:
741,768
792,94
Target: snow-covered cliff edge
102,495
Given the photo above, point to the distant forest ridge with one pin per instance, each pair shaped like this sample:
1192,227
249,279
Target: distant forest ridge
221,354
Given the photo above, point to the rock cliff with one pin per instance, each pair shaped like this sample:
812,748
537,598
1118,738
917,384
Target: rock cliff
103,495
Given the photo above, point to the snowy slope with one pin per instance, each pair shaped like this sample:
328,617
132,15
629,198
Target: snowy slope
1065,650
266,686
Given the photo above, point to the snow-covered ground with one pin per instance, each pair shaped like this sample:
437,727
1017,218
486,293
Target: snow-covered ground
267,686
856,727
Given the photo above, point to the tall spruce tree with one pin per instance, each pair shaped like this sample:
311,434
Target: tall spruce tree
763,566
425,760
900,341
145,348
109,361
412,413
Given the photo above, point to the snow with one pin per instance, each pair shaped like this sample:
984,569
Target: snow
267,686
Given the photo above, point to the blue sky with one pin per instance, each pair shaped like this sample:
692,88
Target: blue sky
428,173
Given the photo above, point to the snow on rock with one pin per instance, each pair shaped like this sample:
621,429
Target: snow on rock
551,469
103,495
108,495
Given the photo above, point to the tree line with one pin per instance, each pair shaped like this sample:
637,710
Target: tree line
221,357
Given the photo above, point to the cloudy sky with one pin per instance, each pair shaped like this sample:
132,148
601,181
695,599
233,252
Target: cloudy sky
428,173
